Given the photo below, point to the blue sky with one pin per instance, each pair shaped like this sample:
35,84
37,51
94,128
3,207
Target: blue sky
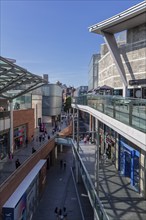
52,37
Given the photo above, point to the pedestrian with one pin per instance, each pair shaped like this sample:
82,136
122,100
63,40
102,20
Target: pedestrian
56,211
32,138
10,155
17,163
48,137
64,213
33,150
64,164
40,139
60,214
61,163
37,139
26,142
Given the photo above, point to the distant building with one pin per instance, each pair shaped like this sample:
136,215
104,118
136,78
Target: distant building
93,71
81,90
123,56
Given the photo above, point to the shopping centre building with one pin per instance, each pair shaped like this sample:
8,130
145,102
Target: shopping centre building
120,122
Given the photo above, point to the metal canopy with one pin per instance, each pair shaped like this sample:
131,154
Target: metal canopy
16,81
130,18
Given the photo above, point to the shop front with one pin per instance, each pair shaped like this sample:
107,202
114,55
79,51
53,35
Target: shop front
19,137
4,144
129,163
109,140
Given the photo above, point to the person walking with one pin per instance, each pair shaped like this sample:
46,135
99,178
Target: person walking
61,163
60,214
64,164
56,211
17,163
40,139
64,213
33,150
26,142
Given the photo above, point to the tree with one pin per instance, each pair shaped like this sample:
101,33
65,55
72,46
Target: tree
67,104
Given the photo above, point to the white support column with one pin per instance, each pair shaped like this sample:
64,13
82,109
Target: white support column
61,147
97,157
77,129
113,48
11,127
124,91
77,170
93,128
73,124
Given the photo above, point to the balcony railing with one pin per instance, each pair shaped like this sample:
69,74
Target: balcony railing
99,210
129,111
4,114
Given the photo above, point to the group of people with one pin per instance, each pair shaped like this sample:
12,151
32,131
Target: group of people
60,213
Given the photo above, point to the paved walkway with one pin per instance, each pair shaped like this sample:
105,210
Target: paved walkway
119,199
60,191
7,166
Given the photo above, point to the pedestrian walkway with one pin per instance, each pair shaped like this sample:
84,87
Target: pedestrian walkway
120,200
60,188
60,191
7,165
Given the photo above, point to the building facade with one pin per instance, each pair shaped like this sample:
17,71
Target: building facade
93,71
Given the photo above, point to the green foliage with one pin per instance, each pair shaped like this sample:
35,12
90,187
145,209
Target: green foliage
67,104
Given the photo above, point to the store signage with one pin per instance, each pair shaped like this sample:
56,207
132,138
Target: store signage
137,82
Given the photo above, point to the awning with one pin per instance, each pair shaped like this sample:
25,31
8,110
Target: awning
105,87
15,78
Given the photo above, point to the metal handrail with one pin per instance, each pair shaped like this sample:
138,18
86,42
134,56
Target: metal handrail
94,199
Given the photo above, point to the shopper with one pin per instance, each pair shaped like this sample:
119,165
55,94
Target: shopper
56,211
61,163
60,214
64,213
17,163
64,164
33,150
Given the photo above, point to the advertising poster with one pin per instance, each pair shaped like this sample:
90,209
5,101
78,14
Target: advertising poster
8,214
20,209
32,199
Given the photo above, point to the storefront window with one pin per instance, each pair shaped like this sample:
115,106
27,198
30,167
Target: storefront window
19,137
129,163
4,141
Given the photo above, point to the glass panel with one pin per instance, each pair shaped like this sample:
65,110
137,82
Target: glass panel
127,110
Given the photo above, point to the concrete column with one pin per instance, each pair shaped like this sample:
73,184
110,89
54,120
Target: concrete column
124,91
144,176
77,129
73,124
93,128
90,123
56,152
77,170
61,148
117,151
11,127
97,157
114,51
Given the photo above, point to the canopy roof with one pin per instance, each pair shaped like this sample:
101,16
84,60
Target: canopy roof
16,81
127,19
104,87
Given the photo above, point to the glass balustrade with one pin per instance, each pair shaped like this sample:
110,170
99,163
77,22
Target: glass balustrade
129,111
94,200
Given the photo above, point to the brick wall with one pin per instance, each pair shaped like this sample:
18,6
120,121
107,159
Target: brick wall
25,116
12,182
